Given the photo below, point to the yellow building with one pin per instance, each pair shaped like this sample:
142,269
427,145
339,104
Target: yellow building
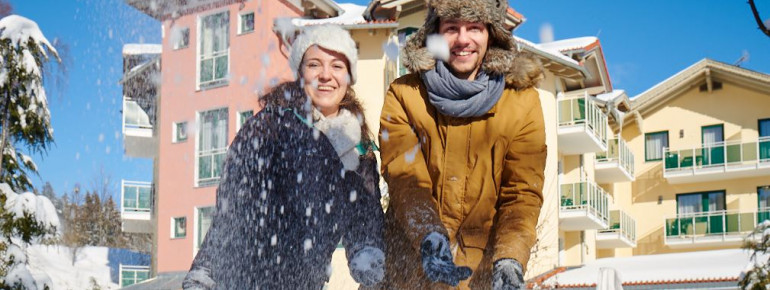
704,158
700,143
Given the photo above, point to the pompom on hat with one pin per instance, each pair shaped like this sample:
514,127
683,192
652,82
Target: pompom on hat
331,37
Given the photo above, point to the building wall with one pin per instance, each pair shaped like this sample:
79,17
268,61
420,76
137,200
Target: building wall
652,198
370,85
255,63
545,252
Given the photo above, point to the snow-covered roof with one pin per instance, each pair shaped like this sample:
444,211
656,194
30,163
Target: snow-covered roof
141,48
551,54
611,96
353,15
657,269
570,43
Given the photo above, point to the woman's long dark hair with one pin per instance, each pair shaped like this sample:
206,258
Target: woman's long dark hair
290,94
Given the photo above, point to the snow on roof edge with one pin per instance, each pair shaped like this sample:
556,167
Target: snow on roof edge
142,48
570,43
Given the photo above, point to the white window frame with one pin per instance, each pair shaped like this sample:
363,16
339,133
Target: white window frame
178,45
175,137
198,57
197,218
173,227
241,119
214,180
135,269
240,22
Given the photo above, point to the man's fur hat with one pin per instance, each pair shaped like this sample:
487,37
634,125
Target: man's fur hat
521,69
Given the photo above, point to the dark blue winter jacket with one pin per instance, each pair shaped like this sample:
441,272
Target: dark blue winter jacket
283,204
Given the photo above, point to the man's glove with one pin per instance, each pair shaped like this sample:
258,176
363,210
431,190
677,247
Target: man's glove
367,266
507,275
437,261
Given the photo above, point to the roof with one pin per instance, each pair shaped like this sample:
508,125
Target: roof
579,43
703,69
692,267
135,49
352,17
558,63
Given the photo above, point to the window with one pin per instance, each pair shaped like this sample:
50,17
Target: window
764,140
214,46
137,196
764,128
180,37
700,202
180,132
179,227
763,203
654,144
711,135
402,36
243,117
246,23
212,145
130,275
205,216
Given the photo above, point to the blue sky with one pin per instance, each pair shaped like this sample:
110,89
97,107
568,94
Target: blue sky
644,43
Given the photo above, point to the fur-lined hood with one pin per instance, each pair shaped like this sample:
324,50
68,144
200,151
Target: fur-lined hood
521,69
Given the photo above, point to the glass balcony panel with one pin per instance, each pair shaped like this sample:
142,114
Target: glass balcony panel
749,151
733,153
764,148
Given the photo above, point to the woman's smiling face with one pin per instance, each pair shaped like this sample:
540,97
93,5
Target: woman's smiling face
326,78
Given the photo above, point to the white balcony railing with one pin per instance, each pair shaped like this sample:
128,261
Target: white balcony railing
136,197
618,151
584,205
731,159
622,226
582,125
712,227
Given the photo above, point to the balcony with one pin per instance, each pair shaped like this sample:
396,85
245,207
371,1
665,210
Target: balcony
136,206
138,138
615,165
582,126
715,228
620,234
719,161
584,206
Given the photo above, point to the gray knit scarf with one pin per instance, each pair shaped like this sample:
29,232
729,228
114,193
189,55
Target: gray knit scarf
462,98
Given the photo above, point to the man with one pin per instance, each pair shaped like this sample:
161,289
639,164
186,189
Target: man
463,152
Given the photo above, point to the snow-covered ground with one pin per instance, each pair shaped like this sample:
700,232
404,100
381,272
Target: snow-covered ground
692,266
56,261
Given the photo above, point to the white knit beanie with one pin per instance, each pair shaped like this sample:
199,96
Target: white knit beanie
331,37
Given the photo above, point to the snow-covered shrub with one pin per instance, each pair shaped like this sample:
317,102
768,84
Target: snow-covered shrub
755,276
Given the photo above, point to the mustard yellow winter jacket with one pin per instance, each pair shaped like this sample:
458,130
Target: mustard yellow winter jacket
478,180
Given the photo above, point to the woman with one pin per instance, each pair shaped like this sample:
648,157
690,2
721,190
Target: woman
298,177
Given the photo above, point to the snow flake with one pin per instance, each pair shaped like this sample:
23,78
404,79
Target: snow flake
273,240
353,196
308,245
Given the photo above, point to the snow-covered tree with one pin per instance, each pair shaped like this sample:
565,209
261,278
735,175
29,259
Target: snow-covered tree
24,115
25,218
757,272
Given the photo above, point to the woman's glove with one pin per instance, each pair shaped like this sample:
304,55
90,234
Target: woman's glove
367,266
